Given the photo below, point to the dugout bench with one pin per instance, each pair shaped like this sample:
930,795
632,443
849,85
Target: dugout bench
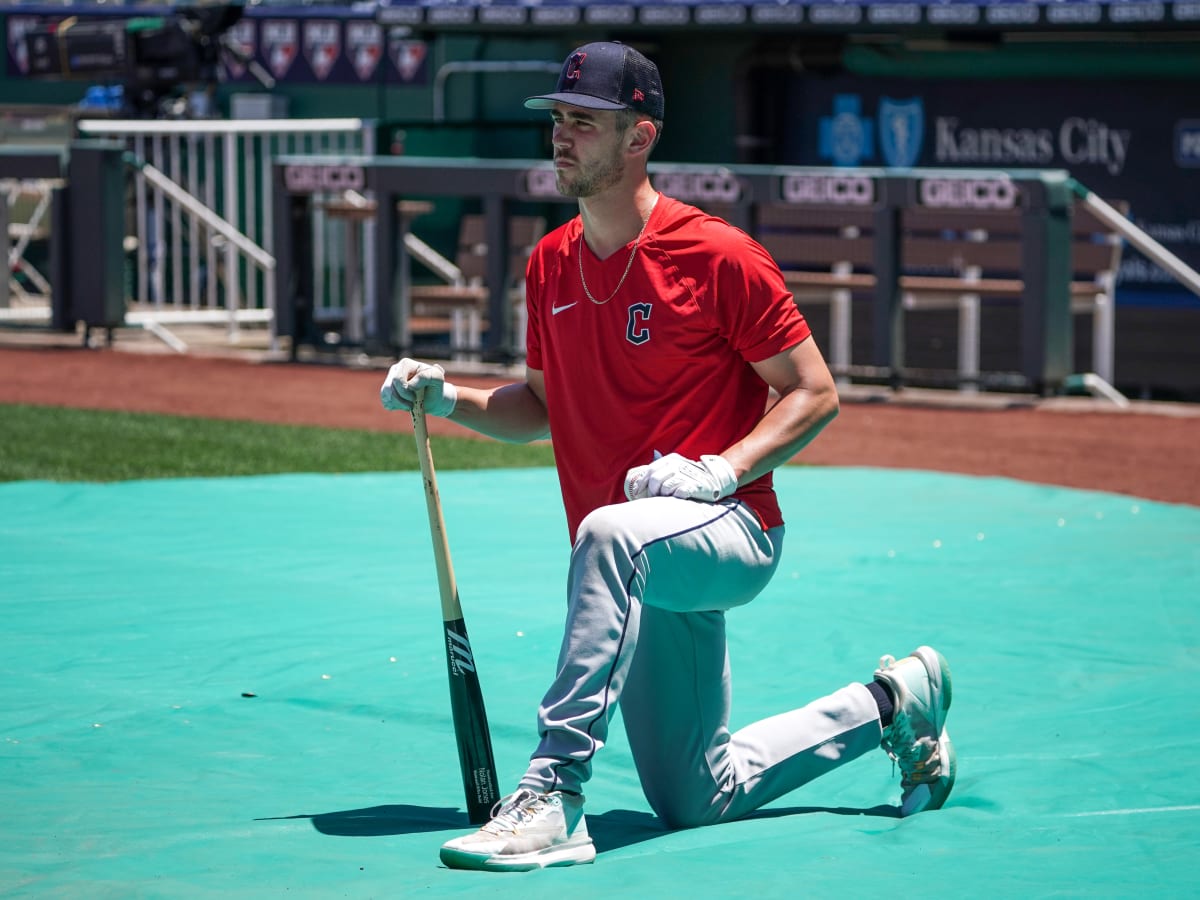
964,262
904,241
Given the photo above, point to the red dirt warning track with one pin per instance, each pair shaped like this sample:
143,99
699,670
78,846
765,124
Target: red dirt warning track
1150,451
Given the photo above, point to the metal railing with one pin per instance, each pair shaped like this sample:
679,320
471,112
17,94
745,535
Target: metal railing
189,265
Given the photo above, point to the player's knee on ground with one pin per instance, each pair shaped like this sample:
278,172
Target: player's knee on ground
682,794
681,810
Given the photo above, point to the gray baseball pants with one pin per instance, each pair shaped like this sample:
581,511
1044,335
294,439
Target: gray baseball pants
648,587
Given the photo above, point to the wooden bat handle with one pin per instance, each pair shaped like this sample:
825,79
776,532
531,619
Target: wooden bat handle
447,585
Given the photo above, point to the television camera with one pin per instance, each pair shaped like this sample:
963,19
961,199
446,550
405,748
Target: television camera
156,60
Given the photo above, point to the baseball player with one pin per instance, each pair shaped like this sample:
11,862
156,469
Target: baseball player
656,334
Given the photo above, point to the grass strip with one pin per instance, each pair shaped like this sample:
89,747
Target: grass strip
61,444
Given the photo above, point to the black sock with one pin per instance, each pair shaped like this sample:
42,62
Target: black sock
883,699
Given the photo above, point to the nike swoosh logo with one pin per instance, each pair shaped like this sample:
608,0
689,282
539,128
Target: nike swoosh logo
555,310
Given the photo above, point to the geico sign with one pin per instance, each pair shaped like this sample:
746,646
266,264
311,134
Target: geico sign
968,193
717,185
838,190
302,179
541,183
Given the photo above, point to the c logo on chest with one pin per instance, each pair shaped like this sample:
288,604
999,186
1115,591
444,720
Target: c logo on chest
637,330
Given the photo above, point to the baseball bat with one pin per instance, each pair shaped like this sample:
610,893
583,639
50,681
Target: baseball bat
466,697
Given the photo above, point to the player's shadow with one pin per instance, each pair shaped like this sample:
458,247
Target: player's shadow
610,830
373,821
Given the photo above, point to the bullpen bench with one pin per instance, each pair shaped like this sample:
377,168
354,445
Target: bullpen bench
957,260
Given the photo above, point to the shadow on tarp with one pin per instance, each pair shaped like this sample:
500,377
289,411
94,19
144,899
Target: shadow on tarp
609,830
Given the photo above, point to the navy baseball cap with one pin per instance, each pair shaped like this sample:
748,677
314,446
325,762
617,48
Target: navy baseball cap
606,75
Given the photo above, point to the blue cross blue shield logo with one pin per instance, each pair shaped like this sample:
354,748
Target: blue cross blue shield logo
846,136
901,131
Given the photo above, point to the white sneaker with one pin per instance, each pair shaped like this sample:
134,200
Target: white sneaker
530,831
917,739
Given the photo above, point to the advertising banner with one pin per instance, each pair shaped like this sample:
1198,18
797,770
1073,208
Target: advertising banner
1137,142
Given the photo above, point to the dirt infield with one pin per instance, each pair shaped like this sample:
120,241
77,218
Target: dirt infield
1150,451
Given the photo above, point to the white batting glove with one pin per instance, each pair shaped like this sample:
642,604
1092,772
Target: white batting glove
708,479
408,378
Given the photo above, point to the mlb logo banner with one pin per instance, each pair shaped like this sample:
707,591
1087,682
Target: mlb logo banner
364,46
280,44
18,53
322,46
242,39
408,58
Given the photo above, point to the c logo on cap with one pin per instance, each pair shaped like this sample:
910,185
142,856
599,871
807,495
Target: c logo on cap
574,64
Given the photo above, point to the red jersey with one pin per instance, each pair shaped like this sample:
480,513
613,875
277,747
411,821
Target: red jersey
665,364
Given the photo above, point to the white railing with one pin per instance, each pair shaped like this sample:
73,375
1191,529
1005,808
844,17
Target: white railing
190,265
24,290
1181,271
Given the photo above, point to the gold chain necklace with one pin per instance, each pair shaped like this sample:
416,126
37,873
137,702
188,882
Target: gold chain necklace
629,265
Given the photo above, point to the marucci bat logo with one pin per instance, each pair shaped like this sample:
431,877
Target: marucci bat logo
459,650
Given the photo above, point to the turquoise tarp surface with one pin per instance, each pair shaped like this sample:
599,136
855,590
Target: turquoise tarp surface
137,617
